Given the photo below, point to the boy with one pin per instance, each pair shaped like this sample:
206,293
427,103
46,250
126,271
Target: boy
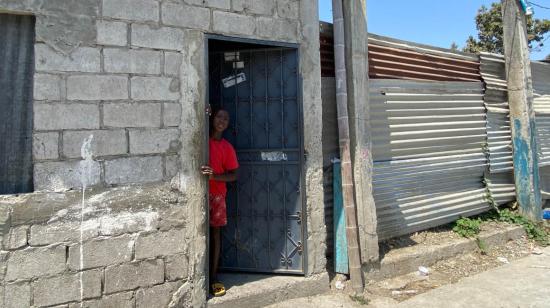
222,167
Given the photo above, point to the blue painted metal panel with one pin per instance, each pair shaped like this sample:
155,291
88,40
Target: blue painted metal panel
341,264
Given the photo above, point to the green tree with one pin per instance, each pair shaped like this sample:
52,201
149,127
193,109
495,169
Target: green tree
454,46
490,31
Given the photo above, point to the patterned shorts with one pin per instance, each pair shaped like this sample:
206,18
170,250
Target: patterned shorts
218,213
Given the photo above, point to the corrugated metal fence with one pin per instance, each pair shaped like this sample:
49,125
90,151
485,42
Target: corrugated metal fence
441,133
429,161
541,89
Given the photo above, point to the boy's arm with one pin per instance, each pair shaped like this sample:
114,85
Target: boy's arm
229,176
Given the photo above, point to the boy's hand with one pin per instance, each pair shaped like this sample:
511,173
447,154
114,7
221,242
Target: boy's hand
207,170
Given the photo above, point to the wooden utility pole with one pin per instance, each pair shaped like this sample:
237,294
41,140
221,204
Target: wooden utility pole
522,115
356,274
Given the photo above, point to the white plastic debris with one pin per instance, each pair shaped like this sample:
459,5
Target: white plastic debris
503,260
339,285
423,271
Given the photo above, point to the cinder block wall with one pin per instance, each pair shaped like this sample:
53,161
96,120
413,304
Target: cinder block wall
131,253
131,73
120,83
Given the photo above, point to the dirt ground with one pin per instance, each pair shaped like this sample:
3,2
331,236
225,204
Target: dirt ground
388,292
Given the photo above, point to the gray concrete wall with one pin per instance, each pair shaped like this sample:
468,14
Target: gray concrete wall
131,73
128,249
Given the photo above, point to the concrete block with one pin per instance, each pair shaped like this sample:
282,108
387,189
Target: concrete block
66,288
47,87
157,296
172,63
177,267
277,29
172,217
119,300
160,244
97,87
219,4
288,9
172,166
3,266
45,146
155,88
59,176
232,23
133,170
133,275
255,7
134,10
101,252
66,116
112,33
17,295
104,142
62,232
149,141
82,59
132,114
16,238
157,38
128,222
186,16
35,262
172,114
131,61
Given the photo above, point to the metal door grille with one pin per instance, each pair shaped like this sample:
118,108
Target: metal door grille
264,231
16,85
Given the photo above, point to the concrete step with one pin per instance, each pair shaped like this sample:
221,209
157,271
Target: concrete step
259,290
407,260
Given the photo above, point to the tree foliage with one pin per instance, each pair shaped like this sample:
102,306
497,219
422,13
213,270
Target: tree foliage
490,31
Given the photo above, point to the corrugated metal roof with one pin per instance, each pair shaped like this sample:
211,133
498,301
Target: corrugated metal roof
428,154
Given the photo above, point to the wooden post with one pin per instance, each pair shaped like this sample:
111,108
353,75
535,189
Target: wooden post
522,115
356,273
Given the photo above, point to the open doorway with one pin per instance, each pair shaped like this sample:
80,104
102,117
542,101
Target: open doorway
258,84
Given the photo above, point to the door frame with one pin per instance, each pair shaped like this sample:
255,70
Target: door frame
303,153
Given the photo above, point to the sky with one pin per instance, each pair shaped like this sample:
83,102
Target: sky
433,22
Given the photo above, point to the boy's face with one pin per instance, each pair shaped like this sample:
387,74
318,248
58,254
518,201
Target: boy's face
221,121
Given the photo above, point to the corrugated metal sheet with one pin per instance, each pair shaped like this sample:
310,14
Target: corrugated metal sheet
429,161
16,97
499,134
502,187
397,59
541,91
326,49
330,151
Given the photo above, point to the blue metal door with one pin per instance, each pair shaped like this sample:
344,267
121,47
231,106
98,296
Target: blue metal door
265,228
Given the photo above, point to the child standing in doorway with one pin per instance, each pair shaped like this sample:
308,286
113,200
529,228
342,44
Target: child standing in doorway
222,167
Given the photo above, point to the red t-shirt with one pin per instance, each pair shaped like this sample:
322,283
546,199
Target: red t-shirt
222,159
